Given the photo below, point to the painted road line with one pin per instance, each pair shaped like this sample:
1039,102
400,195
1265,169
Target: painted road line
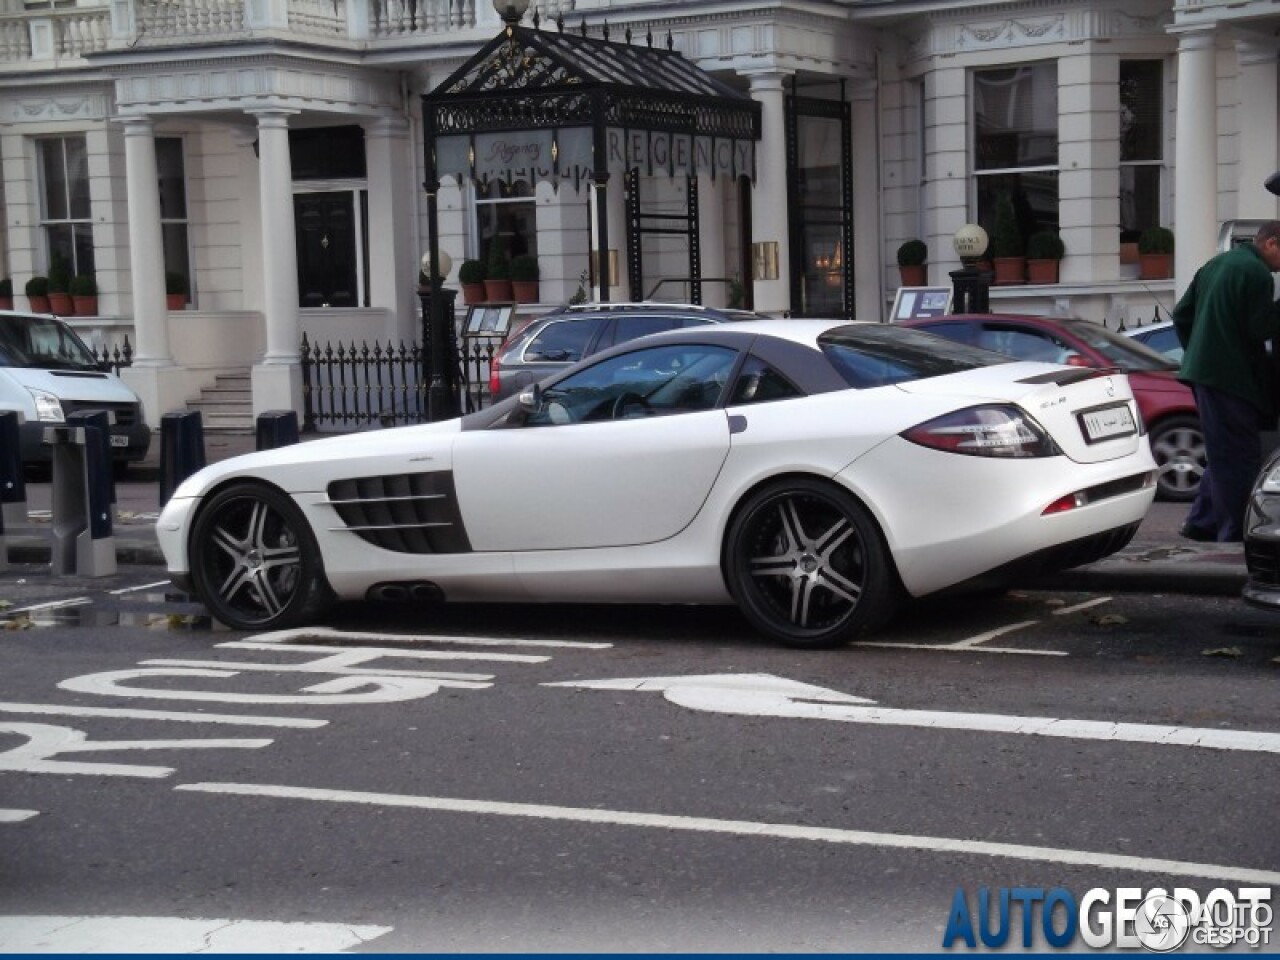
145,586
51,605
56,710
326,666
355,654
178,935
748,828
971,643
1062,611
16,816
45,741
310,633
763,695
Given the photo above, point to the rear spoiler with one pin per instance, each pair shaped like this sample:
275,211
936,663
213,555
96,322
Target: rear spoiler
1072,375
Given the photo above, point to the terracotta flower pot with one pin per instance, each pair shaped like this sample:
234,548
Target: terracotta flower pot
1155,266
175,301
473,292
85,306
39,304
525,291
1042,271
498,291
61,304
1010,270
913,274
6,303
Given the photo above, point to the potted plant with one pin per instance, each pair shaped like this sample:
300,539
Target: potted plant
37,291
911,263
1155,253
6,294
84,294
471,277
1044,255
175,291
524,278
497,279
1007,252
60,288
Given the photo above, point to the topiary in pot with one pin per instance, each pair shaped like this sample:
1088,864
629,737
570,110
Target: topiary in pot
1044,251
6,294
60,287
175,289
1155,253
37,291
911,263
524,278
471,277
84,295
497,280
1007,250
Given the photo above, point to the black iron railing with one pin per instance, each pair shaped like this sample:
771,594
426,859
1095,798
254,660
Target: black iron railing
113,357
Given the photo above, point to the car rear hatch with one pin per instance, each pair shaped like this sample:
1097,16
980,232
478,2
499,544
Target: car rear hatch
1089,413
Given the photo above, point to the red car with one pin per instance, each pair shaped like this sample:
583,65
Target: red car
1168,407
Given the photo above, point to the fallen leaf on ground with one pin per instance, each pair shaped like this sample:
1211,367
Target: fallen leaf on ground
1222,652
1109,619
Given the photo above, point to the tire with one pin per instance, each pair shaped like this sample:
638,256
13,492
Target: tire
254,560
1177,444
807,565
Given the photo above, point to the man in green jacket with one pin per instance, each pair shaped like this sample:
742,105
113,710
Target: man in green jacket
1224,321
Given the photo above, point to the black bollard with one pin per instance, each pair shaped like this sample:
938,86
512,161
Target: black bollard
83,544
100,420
181,450
277,428
13,486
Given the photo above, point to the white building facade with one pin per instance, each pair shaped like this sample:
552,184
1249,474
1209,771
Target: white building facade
270,154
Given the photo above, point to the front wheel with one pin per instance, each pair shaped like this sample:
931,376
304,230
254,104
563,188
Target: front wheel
254,560
806,563
1177,444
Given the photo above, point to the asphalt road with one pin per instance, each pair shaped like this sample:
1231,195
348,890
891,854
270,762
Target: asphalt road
601,779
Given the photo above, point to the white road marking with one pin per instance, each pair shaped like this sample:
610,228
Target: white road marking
51,605
72,935
145,586
304,633
971,644
339,690
16,816
762,695
44,741
314,666
780,831
1081,606
56,710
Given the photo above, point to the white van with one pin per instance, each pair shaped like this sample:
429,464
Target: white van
46,373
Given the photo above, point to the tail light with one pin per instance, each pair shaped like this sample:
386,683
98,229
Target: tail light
494,368
986,431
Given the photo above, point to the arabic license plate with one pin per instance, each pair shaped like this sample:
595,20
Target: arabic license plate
1106,423
119,440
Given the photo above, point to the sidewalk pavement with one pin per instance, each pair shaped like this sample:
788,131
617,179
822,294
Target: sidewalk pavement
1156,561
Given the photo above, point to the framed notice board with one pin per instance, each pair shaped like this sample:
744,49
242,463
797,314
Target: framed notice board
916,303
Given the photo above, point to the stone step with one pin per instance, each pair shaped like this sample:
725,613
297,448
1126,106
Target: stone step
227,406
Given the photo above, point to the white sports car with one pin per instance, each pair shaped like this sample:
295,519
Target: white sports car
813,472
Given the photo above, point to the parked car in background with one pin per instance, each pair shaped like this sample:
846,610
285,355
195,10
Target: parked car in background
1168,406
1160,337
551,342
813,472
47,372
1262,537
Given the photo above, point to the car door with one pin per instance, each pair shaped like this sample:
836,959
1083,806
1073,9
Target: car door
622,452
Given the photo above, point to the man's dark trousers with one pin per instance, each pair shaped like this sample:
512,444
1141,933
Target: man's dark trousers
1233,448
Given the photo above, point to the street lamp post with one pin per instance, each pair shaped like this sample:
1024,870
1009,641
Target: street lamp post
439,336
969,285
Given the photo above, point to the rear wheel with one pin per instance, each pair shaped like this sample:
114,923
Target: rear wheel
806,563
254,560
1177,444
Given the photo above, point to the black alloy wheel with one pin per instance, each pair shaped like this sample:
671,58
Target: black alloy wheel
807,564
254,560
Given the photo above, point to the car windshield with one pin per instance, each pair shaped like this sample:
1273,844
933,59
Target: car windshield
1125,352
877,355
41,343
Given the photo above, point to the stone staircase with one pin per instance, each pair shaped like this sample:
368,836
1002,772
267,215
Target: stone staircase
227,406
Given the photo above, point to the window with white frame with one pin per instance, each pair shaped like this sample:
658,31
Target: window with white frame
173,209
1141,146
1015,144
65,218
507,211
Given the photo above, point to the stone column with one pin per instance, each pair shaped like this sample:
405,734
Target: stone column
393,261
769,220
277,379
865,272
1259,116
153,376
1089,164
711,239
1195,205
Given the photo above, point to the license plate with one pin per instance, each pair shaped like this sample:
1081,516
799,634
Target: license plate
1106,423
119,440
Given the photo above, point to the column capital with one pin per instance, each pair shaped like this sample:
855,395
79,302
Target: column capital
393,127
137,126
1199,38
767,79
272,116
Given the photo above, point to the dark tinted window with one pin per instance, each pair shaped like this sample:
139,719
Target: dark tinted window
759,383
1123,351
876,355
563,340
628,328
1025,343
41,343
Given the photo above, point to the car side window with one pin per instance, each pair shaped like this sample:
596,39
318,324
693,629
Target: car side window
758,382
629,328
563,341
658,381
1024,344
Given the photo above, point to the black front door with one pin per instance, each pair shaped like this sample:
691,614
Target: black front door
326,230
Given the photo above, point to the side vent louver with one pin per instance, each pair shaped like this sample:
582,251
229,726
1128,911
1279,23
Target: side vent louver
407,513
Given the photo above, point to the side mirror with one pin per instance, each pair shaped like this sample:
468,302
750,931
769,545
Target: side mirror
530,401
1272,183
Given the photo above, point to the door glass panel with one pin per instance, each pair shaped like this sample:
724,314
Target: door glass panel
822,209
